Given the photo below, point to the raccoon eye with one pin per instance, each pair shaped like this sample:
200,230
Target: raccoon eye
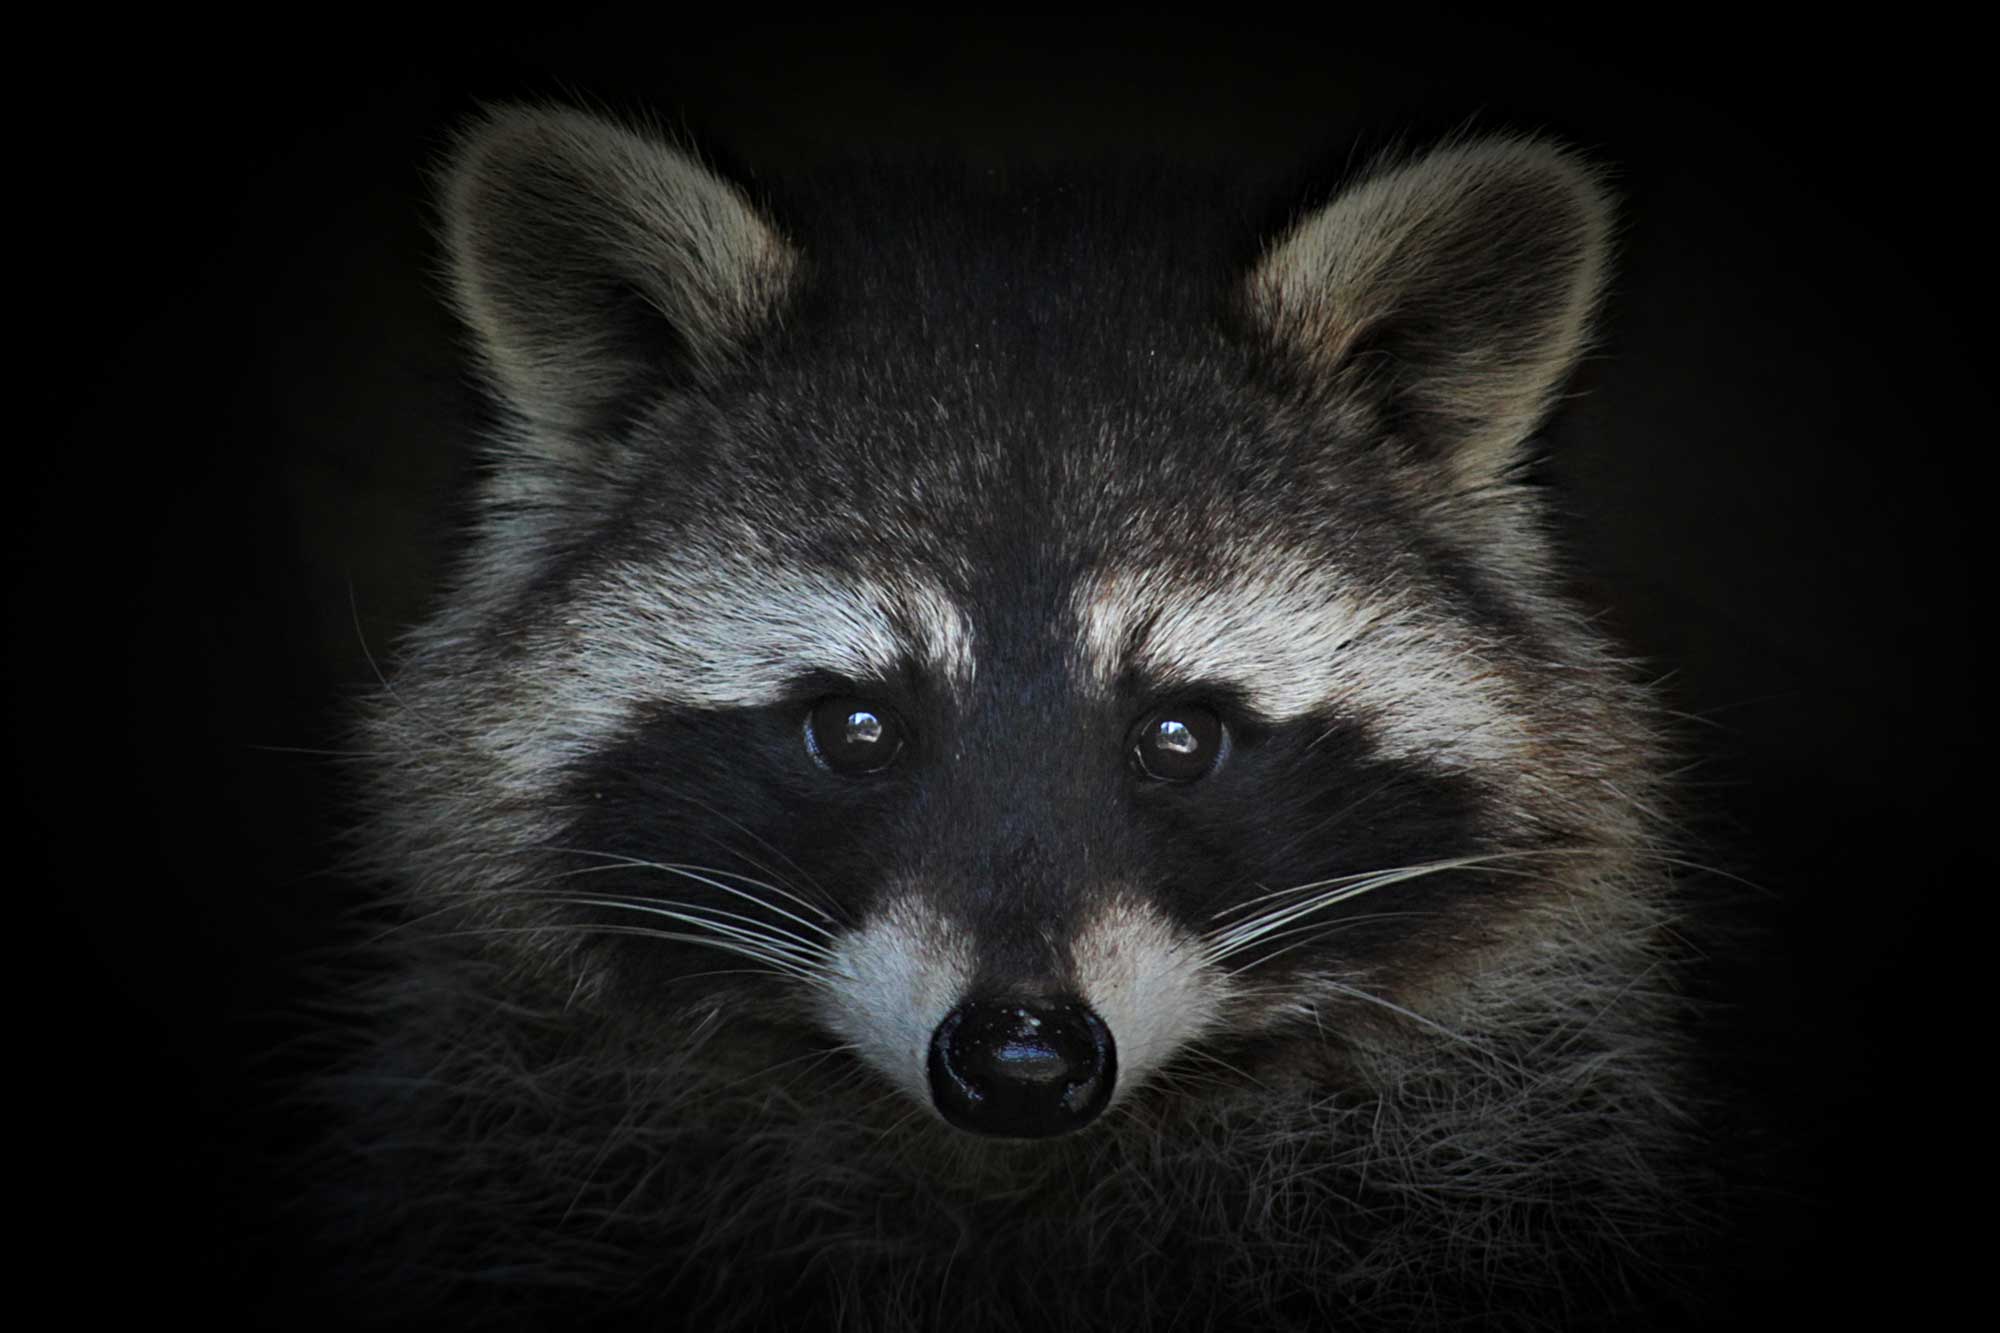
1179,745
850,735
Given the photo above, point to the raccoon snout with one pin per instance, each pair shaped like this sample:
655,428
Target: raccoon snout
1022,1071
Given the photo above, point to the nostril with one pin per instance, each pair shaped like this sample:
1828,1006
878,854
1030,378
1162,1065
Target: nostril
1019,1070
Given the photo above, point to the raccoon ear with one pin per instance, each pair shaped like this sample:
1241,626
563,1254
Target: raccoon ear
1450,296
590,260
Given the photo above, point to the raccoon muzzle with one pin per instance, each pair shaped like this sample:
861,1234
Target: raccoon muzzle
1016,1070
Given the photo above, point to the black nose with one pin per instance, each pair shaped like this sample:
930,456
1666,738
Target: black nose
1021,1071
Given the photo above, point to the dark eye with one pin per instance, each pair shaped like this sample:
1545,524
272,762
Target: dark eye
850,735
1178,744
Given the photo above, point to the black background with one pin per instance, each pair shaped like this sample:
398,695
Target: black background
239,470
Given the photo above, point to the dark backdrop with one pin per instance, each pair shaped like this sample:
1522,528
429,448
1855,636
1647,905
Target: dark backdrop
239,478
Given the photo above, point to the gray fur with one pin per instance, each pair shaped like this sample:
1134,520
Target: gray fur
1481,1123
553,216
1423,237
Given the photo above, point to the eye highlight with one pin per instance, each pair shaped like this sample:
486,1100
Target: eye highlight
851,735
1179,744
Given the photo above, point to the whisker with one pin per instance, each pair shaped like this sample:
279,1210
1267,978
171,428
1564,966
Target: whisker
1480,858
1292,903
536,890
705,875
1248,903
803,874
783,964
1225,943
1315,931
791,945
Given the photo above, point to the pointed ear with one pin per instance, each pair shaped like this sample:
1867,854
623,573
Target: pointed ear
591,261
1447,297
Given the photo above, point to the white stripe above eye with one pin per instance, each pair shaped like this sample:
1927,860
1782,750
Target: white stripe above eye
730,633
706,631
1297,640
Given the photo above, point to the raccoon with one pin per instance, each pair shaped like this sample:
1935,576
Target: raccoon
1012,753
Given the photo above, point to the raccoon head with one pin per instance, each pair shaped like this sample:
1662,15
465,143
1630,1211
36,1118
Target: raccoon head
999,637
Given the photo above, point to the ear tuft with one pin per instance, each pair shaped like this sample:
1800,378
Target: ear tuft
1452,294
591,260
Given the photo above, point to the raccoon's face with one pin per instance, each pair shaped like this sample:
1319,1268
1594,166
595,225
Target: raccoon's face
1011,652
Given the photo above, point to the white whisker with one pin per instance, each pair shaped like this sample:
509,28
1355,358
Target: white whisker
791,945
1313,931
784,964
705,875
1303,900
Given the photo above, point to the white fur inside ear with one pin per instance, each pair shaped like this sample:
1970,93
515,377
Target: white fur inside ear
552,217
1462,282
